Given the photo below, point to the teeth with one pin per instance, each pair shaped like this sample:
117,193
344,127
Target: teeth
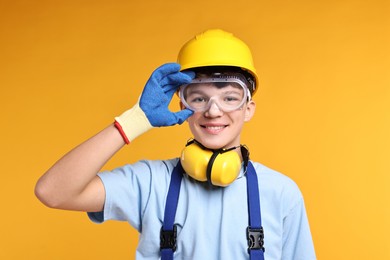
214,127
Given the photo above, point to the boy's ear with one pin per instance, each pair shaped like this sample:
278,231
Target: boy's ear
181,105
249,110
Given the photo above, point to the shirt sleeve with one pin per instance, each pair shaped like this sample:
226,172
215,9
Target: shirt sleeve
127,191
297,240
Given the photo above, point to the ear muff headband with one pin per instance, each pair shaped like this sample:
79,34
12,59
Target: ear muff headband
209,169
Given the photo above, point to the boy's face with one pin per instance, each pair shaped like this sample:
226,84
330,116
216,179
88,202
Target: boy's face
217,126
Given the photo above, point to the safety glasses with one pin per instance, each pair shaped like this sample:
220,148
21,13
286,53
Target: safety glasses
228,92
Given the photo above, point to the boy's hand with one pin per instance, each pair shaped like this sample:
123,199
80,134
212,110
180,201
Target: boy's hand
152,109
158,93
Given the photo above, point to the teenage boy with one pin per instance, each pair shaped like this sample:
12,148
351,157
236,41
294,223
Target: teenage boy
211,203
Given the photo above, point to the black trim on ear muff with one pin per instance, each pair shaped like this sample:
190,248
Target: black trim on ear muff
222,150
189,142
193,141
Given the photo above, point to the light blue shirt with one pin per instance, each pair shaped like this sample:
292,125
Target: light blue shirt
211,221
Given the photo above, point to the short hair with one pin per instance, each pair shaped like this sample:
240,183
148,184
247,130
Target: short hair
225,70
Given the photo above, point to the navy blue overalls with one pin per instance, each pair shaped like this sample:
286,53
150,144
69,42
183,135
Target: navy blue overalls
255,233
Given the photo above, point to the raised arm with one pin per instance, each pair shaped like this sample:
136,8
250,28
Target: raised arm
72,182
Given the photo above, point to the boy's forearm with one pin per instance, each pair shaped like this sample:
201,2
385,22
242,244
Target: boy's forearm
70,176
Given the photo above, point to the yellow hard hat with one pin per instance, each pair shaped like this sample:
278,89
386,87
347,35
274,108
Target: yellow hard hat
216,47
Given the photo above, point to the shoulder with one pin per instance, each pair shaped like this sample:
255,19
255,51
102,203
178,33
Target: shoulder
160,170
143,171
148,166
268,174
278,186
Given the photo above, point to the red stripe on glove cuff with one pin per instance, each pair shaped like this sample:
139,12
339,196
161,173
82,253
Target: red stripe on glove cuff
119,127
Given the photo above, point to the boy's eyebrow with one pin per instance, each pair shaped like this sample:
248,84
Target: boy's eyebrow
238,92
194,91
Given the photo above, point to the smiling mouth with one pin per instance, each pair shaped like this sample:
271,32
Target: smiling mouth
214,128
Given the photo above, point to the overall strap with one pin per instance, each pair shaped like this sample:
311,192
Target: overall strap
168,230
255,232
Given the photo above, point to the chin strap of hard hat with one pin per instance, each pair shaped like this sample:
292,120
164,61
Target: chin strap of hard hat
255,234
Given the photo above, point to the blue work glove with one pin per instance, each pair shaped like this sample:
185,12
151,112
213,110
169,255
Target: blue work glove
158,93
152,108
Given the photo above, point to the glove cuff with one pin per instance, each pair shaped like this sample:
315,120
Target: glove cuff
132,123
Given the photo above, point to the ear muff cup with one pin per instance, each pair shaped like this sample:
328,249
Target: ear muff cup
194,160
219,168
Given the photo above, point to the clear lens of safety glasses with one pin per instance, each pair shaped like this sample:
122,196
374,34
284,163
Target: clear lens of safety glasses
228,93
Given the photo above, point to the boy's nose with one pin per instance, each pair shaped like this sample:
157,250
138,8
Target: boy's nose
213,110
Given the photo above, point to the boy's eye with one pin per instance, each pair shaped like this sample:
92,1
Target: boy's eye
197,99
231,98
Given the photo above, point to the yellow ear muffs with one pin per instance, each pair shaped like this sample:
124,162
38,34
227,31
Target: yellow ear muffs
220,167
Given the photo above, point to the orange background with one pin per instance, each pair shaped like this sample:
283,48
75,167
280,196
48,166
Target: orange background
68,67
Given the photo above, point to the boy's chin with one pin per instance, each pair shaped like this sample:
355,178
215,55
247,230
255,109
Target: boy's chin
213,145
